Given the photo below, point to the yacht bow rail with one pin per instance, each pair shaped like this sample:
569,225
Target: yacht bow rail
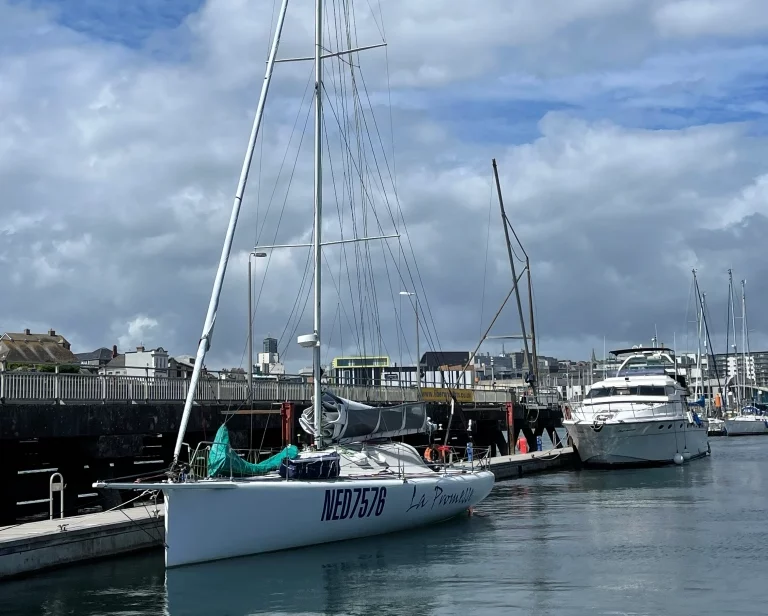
40,387
672,410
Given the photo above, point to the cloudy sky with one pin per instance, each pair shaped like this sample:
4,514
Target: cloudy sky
630,135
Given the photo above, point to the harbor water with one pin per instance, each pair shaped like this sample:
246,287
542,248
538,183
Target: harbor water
671,541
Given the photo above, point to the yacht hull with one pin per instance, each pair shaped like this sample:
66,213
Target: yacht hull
653,442
207,521
744,426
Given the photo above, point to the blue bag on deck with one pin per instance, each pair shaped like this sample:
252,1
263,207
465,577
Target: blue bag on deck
326,466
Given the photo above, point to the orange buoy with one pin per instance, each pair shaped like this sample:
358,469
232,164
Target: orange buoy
522,445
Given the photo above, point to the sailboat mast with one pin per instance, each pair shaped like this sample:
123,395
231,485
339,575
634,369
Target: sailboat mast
732,310
699,319
744,339
708,348
705,334
317,246
504,221
210,317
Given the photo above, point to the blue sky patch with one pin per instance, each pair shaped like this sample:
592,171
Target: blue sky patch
130,23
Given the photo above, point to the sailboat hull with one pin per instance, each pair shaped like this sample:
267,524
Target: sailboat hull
743,426
230,519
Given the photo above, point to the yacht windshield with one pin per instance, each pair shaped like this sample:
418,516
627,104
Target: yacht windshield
638,390
645,364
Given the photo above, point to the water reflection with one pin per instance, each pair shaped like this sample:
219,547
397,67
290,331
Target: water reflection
383,575
666,541
391,574
127,585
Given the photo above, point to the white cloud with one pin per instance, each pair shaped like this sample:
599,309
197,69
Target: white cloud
753,199
695,18
118,167
140,330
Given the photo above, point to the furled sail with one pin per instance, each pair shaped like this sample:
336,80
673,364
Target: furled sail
346,421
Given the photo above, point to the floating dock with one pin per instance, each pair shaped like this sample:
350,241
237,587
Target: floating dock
519,465
35,546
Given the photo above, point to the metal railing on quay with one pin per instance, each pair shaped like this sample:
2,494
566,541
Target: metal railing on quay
73,388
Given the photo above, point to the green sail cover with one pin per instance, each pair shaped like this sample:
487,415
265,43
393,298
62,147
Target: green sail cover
224,462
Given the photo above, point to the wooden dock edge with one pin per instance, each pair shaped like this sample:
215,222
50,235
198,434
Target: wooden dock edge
37,546
520,465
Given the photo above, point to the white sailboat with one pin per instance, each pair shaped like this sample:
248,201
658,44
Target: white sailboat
750,419
353,484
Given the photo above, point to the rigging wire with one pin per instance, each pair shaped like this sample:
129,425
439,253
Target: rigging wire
381,228
360,167
425,301
269,205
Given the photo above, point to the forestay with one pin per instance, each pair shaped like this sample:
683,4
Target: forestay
346,421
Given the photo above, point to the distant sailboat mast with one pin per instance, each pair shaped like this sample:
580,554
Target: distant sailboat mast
699,327
731,323
605,359
744,339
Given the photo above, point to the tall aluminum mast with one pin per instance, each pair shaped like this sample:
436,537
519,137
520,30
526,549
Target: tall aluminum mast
210,317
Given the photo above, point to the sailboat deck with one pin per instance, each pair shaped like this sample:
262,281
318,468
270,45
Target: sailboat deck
231,482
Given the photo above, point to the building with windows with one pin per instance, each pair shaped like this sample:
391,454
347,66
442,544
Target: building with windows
93,361
141,362
378,371
268,361
751,368
371,370
181,366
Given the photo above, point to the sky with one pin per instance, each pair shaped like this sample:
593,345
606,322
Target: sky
630,137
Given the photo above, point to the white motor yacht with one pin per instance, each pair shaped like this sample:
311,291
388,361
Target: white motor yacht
638,417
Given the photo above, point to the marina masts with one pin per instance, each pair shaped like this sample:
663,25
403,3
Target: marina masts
702,302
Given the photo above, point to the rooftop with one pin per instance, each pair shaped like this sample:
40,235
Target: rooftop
31,348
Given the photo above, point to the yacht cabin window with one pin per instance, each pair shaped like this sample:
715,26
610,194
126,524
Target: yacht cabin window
636,390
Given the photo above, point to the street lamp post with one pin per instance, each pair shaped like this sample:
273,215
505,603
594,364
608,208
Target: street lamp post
250,327
418,356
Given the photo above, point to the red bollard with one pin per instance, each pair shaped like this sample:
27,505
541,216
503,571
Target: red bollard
286,416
